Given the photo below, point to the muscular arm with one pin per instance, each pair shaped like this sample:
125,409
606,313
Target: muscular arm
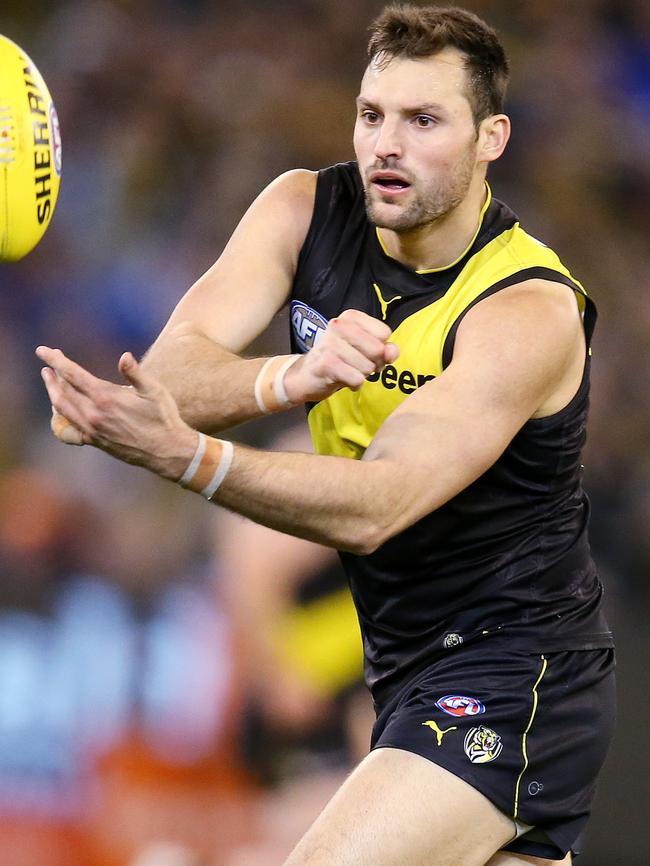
518,354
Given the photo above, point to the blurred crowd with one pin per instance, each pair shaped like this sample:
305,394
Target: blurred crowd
171,691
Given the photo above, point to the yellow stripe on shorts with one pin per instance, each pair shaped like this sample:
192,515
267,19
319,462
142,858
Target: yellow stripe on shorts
525,734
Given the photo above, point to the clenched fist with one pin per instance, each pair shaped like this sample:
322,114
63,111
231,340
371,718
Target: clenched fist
353,346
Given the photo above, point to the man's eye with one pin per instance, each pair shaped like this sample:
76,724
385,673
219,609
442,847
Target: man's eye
424,121
370,116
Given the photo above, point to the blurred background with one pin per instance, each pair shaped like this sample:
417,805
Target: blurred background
172,692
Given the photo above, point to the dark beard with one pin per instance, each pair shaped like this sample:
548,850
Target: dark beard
417,215
427,209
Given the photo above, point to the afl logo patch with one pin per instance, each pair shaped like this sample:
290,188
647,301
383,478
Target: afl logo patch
460,705
308,325
482,745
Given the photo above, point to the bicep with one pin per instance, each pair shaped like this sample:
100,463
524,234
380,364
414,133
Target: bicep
511,355
237,297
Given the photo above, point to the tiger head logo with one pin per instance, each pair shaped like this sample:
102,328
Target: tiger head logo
482,745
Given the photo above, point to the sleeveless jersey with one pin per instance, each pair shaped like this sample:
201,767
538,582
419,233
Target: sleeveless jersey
508,558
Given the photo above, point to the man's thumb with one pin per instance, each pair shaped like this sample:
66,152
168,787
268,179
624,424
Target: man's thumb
130,369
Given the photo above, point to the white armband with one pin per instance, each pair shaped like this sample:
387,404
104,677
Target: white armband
270,393
209,466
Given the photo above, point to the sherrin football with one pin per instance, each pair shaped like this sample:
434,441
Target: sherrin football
30,153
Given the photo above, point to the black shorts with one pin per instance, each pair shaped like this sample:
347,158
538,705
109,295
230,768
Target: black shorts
530,732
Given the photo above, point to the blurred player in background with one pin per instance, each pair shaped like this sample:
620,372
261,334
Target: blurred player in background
306,717
447,352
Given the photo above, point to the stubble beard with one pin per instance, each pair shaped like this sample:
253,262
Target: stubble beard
433,204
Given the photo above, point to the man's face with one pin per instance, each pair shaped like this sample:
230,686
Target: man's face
415,139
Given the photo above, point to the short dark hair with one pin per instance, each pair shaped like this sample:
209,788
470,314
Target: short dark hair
406,30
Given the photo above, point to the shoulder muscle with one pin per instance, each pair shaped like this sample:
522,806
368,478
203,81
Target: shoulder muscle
521,344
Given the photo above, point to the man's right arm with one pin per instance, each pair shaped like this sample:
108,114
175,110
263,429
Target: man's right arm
196,355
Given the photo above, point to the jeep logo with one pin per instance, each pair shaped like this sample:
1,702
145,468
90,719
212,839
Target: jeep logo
406,381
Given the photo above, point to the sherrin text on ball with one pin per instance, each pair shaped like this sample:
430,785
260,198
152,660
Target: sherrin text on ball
30,153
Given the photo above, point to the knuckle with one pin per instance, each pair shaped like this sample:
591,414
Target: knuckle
103,399
94,418
335,327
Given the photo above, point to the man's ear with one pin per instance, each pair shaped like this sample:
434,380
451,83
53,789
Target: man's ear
493,136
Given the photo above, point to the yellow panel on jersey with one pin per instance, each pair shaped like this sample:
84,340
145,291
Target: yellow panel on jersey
346,422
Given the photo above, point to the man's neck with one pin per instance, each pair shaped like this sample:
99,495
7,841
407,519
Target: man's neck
443,242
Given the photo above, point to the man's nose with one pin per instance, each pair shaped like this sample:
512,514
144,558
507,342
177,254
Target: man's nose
388,143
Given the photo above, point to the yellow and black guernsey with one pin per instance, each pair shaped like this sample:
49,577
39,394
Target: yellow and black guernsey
508,558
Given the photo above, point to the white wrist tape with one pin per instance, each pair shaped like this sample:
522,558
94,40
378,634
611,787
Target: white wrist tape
270,393
209,466
225,462
192,469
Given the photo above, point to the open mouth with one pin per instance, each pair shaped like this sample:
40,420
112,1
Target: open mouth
389,183
385,183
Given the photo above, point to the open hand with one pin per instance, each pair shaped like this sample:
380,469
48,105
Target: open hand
138,423
353,346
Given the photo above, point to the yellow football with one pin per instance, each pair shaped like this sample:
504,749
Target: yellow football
30,153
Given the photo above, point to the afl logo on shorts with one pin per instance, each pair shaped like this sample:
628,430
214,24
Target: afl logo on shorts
482,745
459,705
308,325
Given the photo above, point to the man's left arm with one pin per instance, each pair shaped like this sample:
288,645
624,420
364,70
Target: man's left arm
518,354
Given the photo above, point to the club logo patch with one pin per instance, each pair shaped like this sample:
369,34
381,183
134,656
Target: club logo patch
308,325
482,745
452,639
460,705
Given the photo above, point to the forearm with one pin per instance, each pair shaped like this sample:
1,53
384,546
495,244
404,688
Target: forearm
334,501
353,505
213,387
